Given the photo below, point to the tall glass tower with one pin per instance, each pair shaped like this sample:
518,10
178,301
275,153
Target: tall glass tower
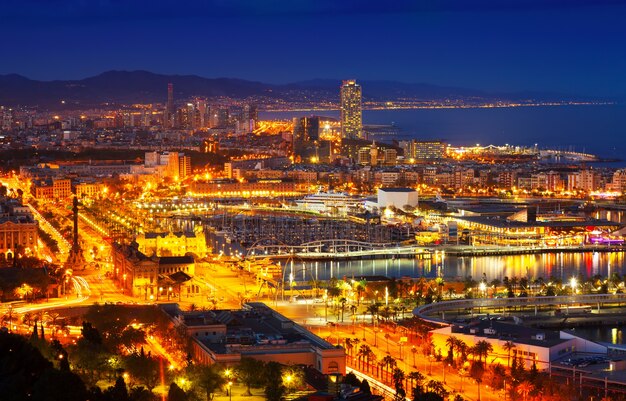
351,120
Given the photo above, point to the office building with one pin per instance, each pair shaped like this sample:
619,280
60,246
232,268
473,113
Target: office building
351,118
428,150
305,133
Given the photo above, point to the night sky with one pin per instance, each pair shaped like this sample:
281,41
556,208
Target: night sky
575,47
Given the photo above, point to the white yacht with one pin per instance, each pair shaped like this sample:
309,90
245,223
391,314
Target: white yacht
334,203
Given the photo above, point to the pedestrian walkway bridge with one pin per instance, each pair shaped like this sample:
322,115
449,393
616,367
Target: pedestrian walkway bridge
336,249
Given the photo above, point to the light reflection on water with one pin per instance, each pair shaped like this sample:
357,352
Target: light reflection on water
613,335
558,265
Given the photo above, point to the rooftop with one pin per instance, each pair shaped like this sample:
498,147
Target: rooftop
513,332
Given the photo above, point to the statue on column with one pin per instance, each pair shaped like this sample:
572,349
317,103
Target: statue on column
76,259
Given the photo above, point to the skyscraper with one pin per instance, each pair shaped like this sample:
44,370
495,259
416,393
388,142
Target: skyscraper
305,134
351,122
170,99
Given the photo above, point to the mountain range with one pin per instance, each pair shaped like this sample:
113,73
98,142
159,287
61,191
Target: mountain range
124,87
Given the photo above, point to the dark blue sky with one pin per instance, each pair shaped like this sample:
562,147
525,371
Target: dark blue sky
576,47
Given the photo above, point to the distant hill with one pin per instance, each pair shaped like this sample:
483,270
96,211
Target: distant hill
123,87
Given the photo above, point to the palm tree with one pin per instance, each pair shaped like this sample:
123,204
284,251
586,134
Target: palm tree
349,345
27,319
360,287
461,349
417,380
342,302
364,352
482,349
451,343
438,388
524,388
413,351
389,363
398,378
373,310
508,346
353,309
440,283
387,336
477,371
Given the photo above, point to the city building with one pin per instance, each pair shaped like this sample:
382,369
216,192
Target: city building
584,180
397,197
56,188
424,150
531,346
255,331
305,136
490,225
18,230
172,165
351,118
246,189
173,243
153,277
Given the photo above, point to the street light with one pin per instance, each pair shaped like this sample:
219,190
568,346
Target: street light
230,391
483,288
573,283
288,379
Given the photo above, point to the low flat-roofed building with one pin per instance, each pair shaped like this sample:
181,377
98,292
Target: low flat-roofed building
256,331
531,345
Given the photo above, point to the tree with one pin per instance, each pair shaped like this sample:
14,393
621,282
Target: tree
417,382
275,389
176,393
398,384
508,346
131,338
90,354
26,374
144,368
389,363
437,387
414,352
250,372
524,388
140,393
482,349
461,349
209,378
364,354
451,343
373,309
476,372
498,375
352,380
365,387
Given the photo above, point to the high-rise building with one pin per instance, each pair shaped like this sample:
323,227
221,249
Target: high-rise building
305,133
351,119
170,98
169,115
249,117
427,150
